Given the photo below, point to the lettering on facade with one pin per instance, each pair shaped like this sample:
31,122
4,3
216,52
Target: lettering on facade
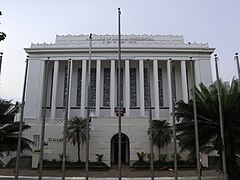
51,139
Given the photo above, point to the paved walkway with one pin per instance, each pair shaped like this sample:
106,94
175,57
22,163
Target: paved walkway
127,173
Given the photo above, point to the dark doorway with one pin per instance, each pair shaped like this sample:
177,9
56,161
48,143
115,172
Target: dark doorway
124,149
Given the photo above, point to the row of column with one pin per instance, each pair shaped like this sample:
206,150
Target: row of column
127,86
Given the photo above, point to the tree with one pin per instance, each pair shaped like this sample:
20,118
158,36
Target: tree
77,132
209,124
9,130
162,133
2,34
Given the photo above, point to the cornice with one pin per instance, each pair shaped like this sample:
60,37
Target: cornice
127,41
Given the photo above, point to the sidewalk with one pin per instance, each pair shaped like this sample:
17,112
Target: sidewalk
127,173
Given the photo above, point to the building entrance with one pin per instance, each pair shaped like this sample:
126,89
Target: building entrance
124,149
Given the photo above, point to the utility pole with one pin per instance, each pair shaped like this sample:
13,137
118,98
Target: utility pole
225,176
119,99
88,106
43,117
21,120
195,119
173,120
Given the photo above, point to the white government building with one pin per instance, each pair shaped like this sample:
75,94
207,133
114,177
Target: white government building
136,50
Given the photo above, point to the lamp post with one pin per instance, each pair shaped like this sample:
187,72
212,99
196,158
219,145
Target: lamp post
221,121
21,121
66,122
238,67
43,117
150,121
195,118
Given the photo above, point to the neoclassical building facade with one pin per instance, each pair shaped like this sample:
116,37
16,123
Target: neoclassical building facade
137,51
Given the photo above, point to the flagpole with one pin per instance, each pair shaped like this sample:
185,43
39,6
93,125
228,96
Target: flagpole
174,126
88,106
65,123
238,67
21,121
0,61
43,117
119,98
195,119
225,175
150,122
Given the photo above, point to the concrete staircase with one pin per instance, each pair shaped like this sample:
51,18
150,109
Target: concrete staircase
25,162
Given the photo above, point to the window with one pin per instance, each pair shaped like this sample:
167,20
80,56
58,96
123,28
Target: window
174,84
65,87
106,90
121,86
79,86
146,89
36,140
160,87
133,87
93,88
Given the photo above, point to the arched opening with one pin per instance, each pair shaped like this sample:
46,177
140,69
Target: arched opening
124,149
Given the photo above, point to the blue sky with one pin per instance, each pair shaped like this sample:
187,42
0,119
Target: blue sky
29,21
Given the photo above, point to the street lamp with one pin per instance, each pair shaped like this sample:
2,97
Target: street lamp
237,60
0,61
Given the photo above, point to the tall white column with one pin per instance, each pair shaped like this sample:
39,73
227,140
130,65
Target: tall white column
127,87
197,72
112,87
98,90
40,93
83,88
141,88
155,88
70,90
184,81
54,91
169,85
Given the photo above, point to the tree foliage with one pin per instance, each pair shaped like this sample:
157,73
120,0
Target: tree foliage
209,122
162,133
2,34
9,130
77,132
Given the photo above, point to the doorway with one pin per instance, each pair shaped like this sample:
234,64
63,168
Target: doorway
124,149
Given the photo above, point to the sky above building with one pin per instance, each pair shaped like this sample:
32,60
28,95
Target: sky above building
213,21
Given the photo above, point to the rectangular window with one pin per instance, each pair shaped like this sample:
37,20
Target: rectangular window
51,87
36,140
133,87
106,90
174,84
146,89
65,87
79,86
121,86
160,87
93,88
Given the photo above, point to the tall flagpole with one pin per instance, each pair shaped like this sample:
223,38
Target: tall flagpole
21,121
225,176
238,67
195,118
0,61
174,126
43,117
65,123
150,122
119,99
88,105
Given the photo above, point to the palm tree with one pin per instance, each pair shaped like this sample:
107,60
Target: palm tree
9,129
209,124
162,134
77,132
